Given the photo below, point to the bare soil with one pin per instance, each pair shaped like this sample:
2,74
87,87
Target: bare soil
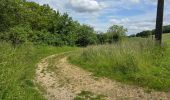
66,81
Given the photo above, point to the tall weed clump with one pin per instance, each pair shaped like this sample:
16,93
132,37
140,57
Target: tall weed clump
17,69
134,62
16,73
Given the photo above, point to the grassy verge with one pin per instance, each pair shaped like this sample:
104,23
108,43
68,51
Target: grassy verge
86,95
137,62
17,70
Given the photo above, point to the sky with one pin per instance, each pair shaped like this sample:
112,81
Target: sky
135,15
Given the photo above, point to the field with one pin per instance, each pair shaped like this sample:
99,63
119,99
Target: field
18,70
166,38
135,61
48,54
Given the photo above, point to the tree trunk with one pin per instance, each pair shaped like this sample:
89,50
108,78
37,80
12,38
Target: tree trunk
159,21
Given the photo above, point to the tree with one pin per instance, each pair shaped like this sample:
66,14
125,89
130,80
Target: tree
115,33
86,36
159,21
17,35
132,35
45,25
144,34
102,38
166,29
9,14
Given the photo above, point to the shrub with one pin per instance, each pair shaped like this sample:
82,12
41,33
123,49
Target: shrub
17,35
115,33
86,36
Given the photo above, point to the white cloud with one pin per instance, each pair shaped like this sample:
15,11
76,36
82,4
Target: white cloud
85,5
120,21
135,1
98,13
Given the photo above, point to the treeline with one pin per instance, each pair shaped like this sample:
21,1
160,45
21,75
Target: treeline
22,21
166,29
147,33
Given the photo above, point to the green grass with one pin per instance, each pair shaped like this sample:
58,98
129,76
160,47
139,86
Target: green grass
166,38
17,70
138,62
86,95
130,62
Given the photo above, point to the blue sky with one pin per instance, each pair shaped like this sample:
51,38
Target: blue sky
135,15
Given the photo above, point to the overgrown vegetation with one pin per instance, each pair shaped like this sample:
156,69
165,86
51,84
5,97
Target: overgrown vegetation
86,95
18,70
136,61
23,21
29,32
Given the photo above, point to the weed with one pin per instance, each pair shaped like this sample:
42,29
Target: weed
18,67
137,62
87,95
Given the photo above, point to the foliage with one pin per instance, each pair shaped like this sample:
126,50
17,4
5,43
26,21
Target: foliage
86,95
9,14
40,24
137,62
132,35
17,35
102,38
166,29
28,21
147,33
144,34
86,36
18,69
115,33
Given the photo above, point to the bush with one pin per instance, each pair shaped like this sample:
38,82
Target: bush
86,36
38,37
115,33
102,38
17,35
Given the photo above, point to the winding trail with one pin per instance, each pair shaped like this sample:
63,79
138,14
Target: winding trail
66,81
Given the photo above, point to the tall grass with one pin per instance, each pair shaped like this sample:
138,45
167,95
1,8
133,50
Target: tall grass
17,70
137,62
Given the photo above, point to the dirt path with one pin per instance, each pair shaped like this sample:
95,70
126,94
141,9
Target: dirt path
66,81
